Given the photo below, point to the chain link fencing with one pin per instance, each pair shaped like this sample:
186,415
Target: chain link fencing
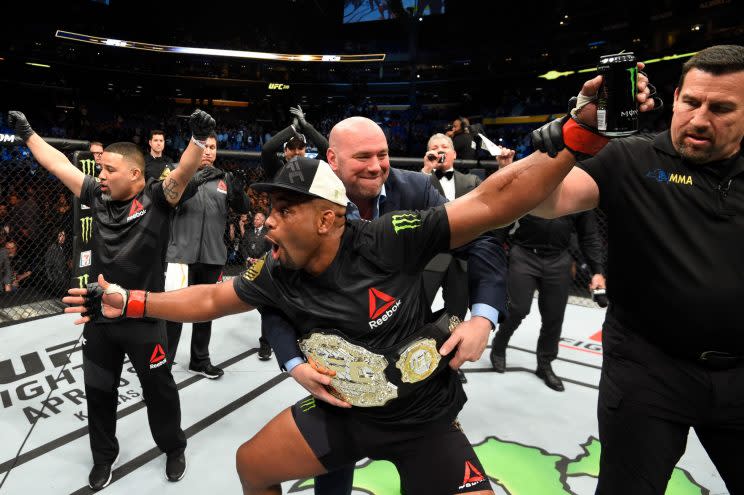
36,219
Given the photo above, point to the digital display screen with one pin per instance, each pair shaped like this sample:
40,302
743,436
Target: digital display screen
380,10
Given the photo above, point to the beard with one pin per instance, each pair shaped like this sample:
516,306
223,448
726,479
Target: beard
106,197
693,155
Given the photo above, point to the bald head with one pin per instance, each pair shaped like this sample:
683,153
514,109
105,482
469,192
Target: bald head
358,153
349,129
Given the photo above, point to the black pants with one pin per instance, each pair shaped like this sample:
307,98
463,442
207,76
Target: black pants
648,400
552,277
103,356
201,333
451,274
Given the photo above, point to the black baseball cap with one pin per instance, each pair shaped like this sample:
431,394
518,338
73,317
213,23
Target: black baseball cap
296,141
307,176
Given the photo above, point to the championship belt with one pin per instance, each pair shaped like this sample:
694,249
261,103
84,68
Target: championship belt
370,378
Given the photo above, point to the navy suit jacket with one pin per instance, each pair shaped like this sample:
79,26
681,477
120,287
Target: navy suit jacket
406,190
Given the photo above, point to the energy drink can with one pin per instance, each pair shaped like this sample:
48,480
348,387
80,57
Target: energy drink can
617,109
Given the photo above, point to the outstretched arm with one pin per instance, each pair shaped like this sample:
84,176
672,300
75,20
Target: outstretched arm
202,124
48,157
522,186
506,195
194,303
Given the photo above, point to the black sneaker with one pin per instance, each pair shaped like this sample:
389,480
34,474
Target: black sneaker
175,466
264,351
100,475
210,371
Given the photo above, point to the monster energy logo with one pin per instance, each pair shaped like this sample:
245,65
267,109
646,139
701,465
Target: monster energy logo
88,167
86,228
406,221
307,404
633,78
82,280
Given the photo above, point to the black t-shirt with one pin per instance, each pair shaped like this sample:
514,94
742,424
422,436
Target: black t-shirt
675,243
463,143
129,237
155,167
372,292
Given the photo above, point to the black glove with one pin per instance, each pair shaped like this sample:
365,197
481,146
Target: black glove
20,124
93,304
202,125
299,115
549,138
567,132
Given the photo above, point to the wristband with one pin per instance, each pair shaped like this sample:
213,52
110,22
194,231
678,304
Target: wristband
136,304
579,138
201,144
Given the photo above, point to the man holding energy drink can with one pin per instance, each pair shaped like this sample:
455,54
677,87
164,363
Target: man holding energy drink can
673,340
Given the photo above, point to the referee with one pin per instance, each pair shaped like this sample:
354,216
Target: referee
672,338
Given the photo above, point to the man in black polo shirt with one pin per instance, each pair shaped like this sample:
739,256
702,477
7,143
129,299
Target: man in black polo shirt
354,290
673,340
130,235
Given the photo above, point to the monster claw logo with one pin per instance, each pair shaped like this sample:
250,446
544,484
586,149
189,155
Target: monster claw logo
633,78
88,167
82,281
86,228
406,221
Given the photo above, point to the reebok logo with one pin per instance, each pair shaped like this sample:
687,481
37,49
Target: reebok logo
472,476
136,211
381,307
158,357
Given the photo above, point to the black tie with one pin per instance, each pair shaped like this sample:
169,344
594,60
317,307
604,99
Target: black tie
440,174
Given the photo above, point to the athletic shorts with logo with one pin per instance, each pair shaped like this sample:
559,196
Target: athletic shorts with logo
432,458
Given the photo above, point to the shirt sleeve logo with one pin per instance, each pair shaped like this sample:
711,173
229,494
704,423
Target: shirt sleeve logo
254,270
406,221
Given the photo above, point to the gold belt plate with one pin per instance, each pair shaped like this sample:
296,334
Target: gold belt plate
360,374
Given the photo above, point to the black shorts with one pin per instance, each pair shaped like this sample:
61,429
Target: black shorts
433,458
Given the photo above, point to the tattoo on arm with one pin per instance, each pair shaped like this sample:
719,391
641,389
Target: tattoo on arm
170,188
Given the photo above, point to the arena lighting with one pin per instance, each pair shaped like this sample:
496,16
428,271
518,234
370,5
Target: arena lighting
554,74
214,52
34,64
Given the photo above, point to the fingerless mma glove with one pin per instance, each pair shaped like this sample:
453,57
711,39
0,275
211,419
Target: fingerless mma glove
568,132
134,302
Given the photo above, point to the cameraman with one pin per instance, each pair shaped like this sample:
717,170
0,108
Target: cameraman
462,138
